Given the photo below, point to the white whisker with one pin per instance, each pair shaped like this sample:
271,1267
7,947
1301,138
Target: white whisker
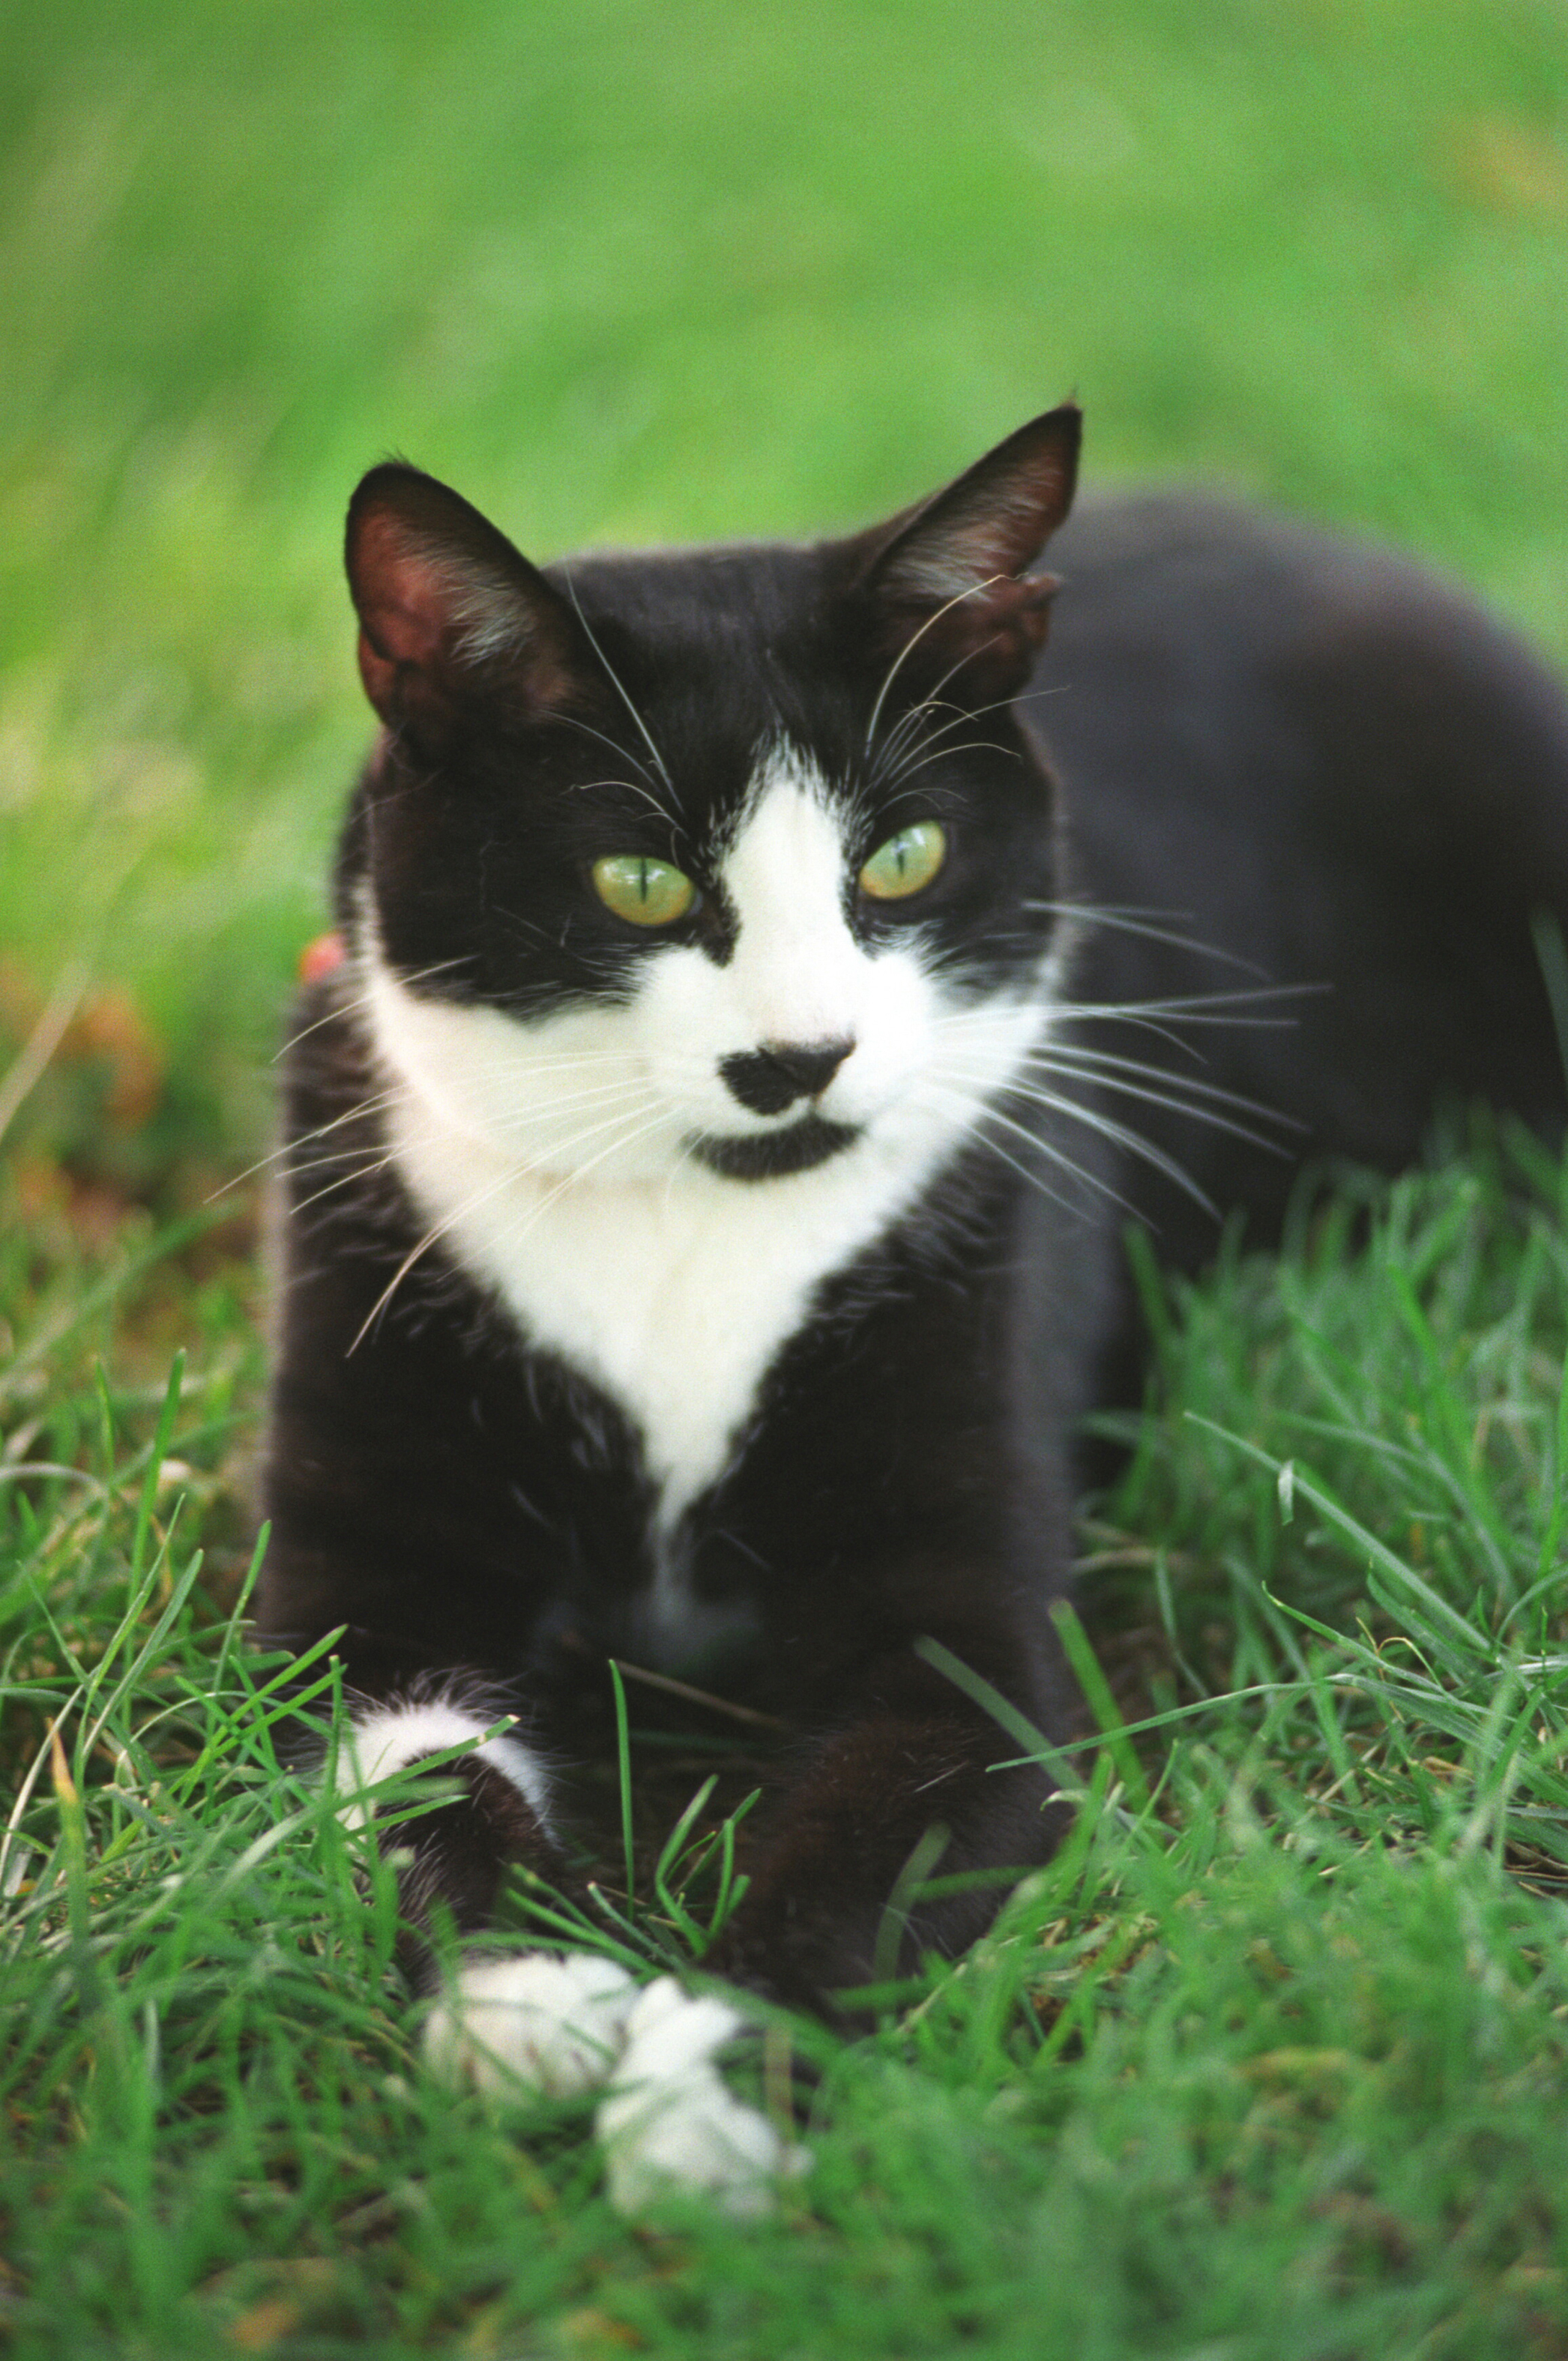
363,1000
1195,1112
472,1203
913,642
1117,1133
1134,921
572,723
971,746
909,722
281,1155
644,729
586,786
344,1180
1101,1064
1193,1008
905,729
934,1092
519,1229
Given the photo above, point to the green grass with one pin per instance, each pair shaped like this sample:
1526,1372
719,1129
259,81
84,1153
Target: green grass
626,270
1270,2061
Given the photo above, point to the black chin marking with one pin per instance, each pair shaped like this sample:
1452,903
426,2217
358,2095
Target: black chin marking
769,1155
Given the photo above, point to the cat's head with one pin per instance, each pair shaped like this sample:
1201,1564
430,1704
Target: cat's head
727,858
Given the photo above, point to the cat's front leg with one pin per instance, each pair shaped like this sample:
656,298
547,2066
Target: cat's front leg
903,1792
452,1859
550,2024
530,2021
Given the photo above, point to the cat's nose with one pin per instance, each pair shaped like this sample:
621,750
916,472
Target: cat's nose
767,1081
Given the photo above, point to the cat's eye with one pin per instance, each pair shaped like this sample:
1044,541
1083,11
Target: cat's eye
648,893
906,863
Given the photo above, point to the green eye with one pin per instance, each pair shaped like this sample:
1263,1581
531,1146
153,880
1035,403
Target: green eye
648,893
905,863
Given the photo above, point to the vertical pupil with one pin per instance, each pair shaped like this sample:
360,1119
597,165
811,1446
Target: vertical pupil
642,881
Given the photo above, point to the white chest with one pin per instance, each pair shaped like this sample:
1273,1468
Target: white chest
673,1298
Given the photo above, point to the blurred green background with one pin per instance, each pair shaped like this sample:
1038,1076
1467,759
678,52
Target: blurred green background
626,271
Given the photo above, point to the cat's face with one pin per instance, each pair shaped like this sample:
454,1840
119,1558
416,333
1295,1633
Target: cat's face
726,862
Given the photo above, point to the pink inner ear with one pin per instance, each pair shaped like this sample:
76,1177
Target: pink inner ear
404,596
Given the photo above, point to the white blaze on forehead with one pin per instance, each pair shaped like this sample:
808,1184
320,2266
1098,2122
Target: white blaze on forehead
796,969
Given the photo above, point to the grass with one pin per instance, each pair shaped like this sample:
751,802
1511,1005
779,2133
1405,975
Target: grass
1270,2060
628,271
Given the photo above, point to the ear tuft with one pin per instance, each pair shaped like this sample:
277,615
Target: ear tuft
449,610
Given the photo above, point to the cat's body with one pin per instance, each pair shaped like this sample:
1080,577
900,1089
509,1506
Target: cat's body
716,1287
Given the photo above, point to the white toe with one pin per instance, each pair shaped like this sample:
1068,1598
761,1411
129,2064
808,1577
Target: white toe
668,2122
554,2025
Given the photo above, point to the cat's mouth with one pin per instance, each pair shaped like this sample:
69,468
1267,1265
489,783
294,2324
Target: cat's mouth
770,1155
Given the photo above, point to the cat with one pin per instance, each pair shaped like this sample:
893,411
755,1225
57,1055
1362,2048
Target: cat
706,1168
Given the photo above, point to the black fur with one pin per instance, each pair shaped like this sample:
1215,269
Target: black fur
1302,754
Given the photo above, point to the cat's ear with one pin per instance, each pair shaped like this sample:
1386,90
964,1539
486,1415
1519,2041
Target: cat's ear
449,610
950,573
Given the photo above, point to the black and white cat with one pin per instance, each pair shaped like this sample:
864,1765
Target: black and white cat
706,1168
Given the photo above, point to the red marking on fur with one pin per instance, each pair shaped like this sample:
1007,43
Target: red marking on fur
320,957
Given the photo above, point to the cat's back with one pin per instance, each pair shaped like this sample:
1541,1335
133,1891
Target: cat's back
1188,618
1329,767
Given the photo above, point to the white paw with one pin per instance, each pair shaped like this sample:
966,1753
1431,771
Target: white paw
555,2026
388,1739
670,2123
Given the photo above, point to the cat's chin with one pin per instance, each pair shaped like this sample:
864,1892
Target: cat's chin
771,1155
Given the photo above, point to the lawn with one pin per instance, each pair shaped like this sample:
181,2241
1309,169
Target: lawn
1273,2060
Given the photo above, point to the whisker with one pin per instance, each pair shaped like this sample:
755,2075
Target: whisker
933,1092
505,1065
1188,1008
512,1060
299,1167
524,1118
1195,1112
528,928
906,731
1132,921
572,723
586,786
913,643
685,1157
307,1138
1069,1057
570,1179
1193,1008
363,1000
971,746
620,690
910,722
990,1017
1120,1136
978,712
472,1203
344,1180
1214,1008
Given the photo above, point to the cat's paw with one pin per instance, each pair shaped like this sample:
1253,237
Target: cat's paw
669,2123
549,2025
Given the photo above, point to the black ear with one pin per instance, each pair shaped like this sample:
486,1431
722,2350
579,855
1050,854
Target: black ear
449,609
949,574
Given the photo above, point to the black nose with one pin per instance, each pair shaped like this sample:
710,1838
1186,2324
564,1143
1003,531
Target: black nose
767,1081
